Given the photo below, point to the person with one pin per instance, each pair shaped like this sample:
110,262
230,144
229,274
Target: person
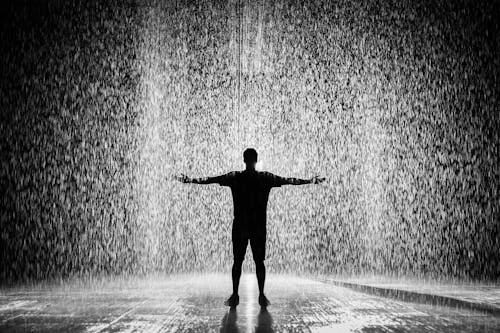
250,191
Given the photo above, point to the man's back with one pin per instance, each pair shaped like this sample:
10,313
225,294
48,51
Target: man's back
250,190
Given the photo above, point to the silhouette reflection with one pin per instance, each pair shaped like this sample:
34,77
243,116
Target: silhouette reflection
264,322
229,322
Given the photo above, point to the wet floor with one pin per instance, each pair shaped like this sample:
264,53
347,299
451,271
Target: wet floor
195,304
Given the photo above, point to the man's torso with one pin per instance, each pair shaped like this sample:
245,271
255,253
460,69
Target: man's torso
250,192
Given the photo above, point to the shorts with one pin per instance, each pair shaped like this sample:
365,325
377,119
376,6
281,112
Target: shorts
257,243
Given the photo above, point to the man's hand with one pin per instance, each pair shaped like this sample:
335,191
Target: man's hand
183,178
317,180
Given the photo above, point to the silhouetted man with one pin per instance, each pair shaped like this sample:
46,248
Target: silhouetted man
250,189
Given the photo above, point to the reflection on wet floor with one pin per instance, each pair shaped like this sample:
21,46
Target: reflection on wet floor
195,303
230,322
264,322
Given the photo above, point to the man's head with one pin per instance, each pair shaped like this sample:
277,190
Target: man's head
250,158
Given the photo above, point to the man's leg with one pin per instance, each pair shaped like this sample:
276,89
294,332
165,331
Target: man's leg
258,245
239,249
236,274
260,269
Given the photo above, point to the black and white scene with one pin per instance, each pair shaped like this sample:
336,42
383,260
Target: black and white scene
250,166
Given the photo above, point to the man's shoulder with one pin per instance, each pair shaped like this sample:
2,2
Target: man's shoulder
268,177
272,179
233,174
266,174
228,178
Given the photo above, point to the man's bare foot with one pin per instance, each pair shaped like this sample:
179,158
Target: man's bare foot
232,301
263,301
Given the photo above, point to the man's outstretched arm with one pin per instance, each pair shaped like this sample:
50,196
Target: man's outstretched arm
201,180
300,181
